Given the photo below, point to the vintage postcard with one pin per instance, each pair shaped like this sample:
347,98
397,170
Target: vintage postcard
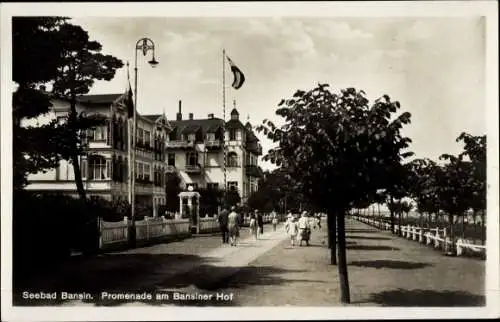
249,160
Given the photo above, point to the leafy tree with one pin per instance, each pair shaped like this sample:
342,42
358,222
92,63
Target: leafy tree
34,62
455,184
423,186
81,63
233,198
210,200
475,151
172,190
339,148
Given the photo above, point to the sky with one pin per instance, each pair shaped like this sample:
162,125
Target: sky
434,66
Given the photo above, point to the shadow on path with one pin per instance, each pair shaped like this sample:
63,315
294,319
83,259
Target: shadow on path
371,247
389,264
151,273
368,237
402,297
361,231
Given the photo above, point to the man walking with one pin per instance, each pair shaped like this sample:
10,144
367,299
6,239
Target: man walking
260,222
223,222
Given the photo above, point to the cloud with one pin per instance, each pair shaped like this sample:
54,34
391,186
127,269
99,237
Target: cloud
419,30
337,31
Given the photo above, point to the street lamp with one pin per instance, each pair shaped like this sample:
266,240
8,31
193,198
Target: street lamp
145,45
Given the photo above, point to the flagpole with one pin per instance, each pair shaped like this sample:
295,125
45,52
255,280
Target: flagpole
129,177
224,122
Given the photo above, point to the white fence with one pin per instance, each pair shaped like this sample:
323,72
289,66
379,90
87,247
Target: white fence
113,233
147,229
435,237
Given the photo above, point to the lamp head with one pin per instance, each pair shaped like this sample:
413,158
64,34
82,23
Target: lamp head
153,62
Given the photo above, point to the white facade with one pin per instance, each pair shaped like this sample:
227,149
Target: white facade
106,175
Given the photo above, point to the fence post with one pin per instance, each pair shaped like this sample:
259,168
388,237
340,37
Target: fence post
125,221
459,247
445,243
421,235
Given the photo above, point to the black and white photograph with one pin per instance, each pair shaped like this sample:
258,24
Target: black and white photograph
185,159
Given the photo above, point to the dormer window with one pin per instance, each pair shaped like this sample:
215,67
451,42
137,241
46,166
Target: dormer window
232,134
210,137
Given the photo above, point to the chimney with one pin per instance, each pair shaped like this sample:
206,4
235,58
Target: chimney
191,116
211,115
179,114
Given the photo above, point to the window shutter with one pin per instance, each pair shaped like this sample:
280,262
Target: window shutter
83,169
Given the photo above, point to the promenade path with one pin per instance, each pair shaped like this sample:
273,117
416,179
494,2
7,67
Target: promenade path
384,270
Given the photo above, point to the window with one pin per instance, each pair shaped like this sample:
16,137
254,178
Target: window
213,185
232,185
138,170
147,138
232,159
232,134
140,136
83,169
191,158
147,172
99,133
194,185
98,168
171,159
210,136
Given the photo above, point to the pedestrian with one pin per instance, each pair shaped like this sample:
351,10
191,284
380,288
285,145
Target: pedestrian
274,220
223,218
253,226
233,222
292,229
318,220
304,229
260,222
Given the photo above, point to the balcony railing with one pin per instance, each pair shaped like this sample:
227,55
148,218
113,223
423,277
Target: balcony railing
193,168
254,147
171,169
213,144
179,144
253,171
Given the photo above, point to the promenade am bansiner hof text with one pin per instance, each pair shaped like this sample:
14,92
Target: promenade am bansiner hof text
166,296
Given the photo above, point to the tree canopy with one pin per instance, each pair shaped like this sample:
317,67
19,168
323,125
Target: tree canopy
340,149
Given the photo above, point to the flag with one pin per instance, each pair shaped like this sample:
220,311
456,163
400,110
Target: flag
239,78
129,102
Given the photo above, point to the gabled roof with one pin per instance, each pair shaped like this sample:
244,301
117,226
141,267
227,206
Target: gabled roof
98,98
206,125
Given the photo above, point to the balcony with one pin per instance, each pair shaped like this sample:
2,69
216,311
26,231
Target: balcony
193,168
179,144
253,171
171,169
254,147
213,144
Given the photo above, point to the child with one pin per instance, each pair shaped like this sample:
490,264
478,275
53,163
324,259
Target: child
292,229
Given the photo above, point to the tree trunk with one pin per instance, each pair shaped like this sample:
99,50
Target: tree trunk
391,209
452,235
345,297
463,224
483,237
399,224
332,236
74,149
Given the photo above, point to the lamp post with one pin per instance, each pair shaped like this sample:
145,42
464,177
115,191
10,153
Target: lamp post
145,45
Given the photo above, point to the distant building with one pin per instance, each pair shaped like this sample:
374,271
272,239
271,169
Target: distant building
105,167
194,152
